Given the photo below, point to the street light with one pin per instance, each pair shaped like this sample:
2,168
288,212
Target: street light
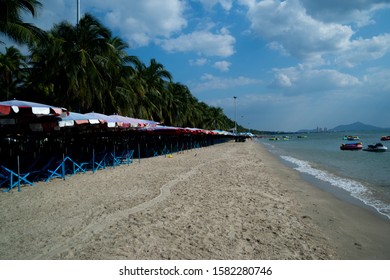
78,11
235,114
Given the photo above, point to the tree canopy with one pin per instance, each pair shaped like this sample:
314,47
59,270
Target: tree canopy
85,68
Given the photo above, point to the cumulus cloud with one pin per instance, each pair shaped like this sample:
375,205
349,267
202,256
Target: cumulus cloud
140,22
287,25
361,50
210,82
292,30
222,66
345,11
198,62
209,4
302,80
202,42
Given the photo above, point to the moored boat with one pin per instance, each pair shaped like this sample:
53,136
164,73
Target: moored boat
351,146
351,138
378,147
385,138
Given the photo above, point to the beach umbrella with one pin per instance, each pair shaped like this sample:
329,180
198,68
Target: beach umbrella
133,122
19,108
110,121
160,129
77,119
143,122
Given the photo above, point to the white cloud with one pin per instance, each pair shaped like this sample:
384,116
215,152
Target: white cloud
301,80
211,82
359,12
209,4
361,50
222,66
203,43
140,22
198,62
287,25
291,30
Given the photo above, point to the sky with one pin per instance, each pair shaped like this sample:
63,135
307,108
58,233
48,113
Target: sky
293,64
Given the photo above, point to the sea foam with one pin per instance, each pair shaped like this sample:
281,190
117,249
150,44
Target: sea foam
354,188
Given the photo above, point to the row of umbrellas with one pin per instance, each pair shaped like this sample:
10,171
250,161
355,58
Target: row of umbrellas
13,109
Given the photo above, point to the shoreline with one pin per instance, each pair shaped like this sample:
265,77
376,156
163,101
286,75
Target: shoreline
357,231
337,192
227,201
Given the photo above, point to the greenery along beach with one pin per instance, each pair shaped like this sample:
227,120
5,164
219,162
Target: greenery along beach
84,67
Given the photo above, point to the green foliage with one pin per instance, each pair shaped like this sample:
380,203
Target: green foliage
84,68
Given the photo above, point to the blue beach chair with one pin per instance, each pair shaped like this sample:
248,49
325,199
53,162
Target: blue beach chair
14,179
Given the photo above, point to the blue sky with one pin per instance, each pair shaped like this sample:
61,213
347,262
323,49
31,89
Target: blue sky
291,64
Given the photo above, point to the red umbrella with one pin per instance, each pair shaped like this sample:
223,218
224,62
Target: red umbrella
77,119
127,121
19,107
111,122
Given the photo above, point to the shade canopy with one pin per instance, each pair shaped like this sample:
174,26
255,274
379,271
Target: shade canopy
110,121
19,107
77,119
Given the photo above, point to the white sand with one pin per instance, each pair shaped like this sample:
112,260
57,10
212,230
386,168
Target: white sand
227,201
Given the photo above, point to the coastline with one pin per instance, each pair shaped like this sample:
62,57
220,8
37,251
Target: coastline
357,231
227,201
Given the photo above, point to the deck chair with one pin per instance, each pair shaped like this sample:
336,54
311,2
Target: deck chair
14,179
125,157
66,167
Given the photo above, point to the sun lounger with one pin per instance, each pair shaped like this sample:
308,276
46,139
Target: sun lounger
13,179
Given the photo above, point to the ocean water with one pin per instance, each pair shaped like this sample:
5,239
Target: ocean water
360,175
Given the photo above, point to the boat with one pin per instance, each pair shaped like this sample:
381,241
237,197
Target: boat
378,147
352,146
351,138
301,136
385,138
274,138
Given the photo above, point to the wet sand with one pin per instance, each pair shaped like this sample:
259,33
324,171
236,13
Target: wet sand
227,201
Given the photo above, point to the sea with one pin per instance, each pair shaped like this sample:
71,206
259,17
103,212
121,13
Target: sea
359,177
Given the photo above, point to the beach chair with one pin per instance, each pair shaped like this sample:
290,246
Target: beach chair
126,157
14,179
66,167
99,161
165,151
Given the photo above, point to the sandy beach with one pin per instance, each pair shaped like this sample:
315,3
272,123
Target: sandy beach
227,201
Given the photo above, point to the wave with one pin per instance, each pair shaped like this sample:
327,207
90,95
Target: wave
354,188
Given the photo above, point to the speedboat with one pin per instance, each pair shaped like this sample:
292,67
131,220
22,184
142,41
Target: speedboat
385,138
378,147
351,138
352,146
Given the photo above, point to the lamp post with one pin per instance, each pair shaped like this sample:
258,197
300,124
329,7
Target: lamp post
78,11
235,114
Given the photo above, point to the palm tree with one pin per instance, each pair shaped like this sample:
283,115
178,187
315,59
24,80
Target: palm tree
11,23
83,65
152,82
12,72
215,118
